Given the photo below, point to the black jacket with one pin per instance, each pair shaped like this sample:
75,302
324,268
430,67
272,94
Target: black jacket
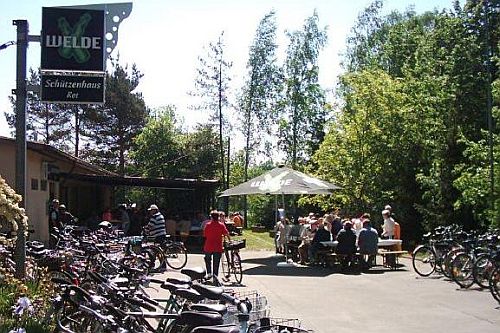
347,242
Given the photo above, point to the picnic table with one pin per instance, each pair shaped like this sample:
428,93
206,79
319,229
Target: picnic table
389,257
381,243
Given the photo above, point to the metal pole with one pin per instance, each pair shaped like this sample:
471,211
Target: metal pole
21,92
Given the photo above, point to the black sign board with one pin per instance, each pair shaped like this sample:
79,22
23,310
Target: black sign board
72,39
72,89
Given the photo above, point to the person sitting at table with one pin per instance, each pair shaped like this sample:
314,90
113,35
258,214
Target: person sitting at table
336,226
368,243
388,227
346,244
106,215
321,235
237,220
328,220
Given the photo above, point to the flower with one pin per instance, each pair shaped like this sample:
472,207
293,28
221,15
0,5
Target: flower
23,303
12,217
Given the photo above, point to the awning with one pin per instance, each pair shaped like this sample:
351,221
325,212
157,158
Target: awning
173,184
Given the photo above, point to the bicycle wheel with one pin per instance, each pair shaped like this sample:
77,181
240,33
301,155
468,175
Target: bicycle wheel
424,261
226,273
483,266
156,257
494,284
447,262
175,256
237,271
461,270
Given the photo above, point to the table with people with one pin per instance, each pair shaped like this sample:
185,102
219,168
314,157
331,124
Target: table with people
319,239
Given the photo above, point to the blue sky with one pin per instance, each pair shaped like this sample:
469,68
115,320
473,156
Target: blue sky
165,37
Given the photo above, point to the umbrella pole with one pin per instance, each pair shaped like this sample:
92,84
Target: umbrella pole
285,263
286,231
275,223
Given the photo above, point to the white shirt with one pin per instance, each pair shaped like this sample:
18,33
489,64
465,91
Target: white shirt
388,227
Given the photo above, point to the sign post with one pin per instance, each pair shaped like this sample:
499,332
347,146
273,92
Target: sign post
20,179
74,52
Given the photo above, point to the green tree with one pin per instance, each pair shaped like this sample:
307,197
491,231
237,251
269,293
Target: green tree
438,60
46,122
202,157
367,147
302,108
112,127
157,151
212,87
260,90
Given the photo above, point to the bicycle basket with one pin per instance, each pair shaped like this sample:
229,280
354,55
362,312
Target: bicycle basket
281,329
260,308
236,244
281,325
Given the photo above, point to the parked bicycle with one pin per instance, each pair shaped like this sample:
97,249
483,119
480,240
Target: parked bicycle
166,253
231,260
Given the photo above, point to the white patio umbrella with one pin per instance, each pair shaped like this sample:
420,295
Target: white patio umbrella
282,180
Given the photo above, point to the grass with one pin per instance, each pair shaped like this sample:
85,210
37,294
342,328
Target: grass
257,240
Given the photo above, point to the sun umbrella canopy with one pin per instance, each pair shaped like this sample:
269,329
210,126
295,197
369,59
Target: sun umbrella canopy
282,180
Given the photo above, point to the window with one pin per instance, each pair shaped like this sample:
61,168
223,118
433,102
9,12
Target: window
34,184
43,185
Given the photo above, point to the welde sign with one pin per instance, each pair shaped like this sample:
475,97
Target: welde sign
72,39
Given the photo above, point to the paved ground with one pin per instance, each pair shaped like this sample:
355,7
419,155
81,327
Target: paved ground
380,301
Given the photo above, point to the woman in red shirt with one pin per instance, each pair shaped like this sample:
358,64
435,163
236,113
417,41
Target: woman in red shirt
214,233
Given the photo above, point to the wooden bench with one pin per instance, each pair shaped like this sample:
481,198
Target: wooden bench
322,257
390,258
334,259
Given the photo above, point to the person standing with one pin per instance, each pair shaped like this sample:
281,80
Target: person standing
65,217
135,221
124,217
54,222
388,227
54,215
156,226
214,233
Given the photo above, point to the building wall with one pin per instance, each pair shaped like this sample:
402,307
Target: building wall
36,200
7,163
81,198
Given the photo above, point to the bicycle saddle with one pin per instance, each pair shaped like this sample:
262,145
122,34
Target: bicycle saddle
213,293
173,287
217,329
195,273
220,308
194,318
180,280
189,294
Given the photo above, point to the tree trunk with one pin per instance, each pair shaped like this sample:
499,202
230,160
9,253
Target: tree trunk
77,130
221,141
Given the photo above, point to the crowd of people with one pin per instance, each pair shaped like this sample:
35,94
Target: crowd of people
352,234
